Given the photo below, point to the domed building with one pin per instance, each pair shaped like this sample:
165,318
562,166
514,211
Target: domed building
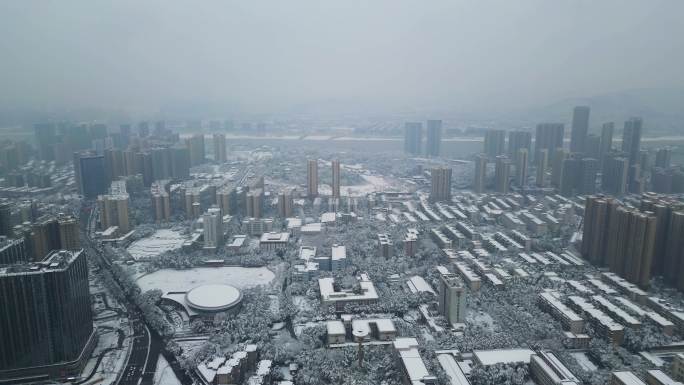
206,300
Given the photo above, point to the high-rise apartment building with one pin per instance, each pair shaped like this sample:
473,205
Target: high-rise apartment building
46,137
596,214
161,159
196,149
631,139
335,178
673,260
480,173
542,165
254,203
44,237
631,146
385,246
46,328
570,173
413,138
579,129
502,173
578,176
494,143
518,140
50,233
161,202
69,237
592,146
620,237
586,183
180,162
663,157
285,204
411,242
114,207
549,136
312,178
614,174
90,174
452,297
521,167
219,141
559,155
192,202
645,160
114,163
440,188
225,198
607,131
434,138
212,225
666,259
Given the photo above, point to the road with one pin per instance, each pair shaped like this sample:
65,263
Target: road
139,355
147,344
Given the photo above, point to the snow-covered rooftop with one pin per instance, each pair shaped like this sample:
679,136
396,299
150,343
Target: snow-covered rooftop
213,297
503,356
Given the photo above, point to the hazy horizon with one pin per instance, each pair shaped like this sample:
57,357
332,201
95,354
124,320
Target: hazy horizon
281,57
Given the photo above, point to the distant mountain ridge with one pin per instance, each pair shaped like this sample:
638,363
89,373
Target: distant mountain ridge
661,108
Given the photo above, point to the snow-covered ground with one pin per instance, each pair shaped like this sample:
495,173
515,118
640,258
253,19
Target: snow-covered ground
183,280
112,363
164,374
373,183
161,241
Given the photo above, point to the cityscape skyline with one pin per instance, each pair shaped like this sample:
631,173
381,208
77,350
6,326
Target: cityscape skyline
392,192
578,42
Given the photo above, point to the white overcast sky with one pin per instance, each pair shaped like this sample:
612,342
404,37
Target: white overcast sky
268,56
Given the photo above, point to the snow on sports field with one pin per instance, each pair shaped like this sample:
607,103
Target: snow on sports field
157,243
183,280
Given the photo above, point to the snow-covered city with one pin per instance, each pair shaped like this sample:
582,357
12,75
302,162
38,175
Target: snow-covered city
347,193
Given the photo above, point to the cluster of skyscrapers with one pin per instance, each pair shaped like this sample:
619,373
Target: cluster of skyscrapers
413,138
312,179
636,242
112,155
574,170
32,241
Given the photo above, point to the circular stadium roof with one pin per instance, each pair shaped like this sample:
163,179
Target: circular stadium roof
213,297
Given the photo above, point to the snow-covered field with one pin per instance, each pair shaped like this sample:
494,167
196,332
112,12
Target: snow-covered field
164,374
161,241
373,183
183,280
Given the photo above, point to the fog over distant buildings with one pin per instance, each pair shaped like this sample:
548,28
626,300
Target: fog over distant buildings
215,57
